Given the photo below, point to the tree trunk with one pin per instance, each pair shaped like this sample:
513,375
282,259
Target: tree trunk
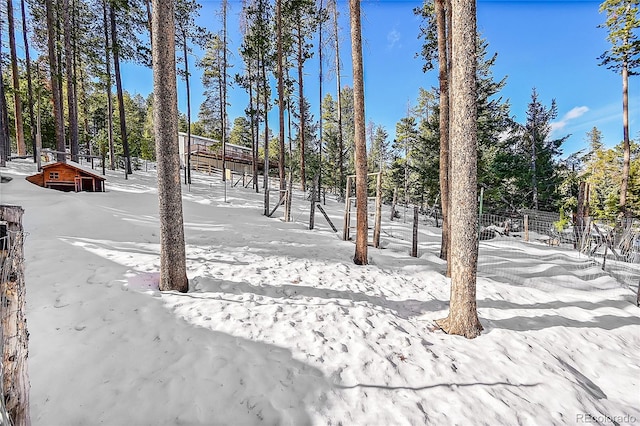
14,334
320,118
279,70
116,70
55,82
222,120
187,166
27,57
341,184
71,101
443,77
224,82
626,146
265,89
463,317
20,144
254,134
534,168
107,60
303,181
173,274
5,145
361,255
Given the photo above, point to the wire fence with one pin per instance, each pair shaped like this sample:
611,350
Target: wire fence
594,249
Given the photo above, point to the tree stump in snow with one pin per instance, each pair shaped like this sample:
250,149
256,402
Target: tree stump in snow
14,337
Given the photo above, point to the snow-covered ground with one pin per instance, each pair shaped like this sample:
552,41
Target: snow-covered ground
280,327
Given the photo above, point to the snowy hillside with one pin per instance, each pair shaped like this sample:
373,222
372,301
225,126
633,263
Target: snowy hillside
280,327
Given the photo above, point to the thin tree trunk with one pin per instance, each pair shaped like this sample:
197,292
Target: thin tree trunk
534,171
361,255
5,145
224,82
85,113
339,96
321,118
149,18
266,134
252,118
283,183
303,181
20,144
173,274
71,102
116,70
221,112
27,57
74,76
55,82
187,168
107,60
626,146
463,317
443,77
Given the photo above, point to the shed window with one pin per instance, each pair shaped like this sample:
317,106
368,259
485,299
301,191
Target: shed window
53,175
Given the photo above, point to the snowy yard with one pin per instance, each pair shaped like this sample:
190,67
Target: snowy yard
280,327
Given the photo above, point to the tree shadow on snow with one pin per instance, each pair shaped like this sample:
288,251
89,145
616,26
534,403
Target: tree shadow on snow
541,322
522,323
404,309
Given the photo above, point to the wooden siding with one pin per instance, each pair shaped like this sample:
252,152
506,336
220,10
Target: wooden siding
67,177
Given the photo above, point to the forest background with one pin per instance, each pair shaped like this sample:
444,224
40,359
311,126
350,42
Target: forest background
543,97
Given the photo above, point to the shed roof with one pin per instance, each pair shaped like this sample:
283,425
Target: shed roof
77,166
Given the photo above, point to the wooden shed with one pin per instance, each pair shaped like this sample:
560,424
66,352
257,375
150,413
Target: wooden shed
68,177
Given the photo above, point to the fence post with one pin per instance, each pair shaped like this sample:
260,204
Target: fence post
414,240
14,335
347,211
526,227
376,229
312,215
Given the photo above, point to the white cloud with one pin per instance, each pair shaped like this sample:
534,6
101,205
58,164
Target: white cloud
393,38
576,112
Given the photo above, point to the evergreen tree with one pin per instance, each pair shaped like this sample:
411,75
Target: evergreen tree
623,22
526,166
241,132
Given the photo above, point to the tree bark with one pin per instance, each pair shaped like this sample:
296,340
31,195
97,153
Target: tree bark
27,58
72,106
173,274
361,255
626,146
107,61
116,69
265,99
5,145
15,337
187,166
20,144
443,77
303,181
279,71
463,317
341,184
224,83
320,118
54,73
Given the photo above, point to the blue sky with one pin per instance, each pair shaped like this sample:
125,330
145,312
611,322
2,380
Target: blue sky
550,45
